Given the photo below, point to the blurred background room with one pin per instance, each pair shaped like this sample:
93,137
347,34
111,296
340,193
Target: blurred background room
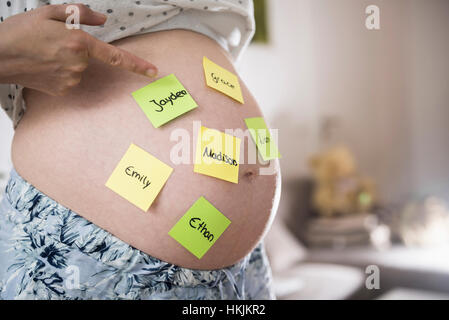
363,119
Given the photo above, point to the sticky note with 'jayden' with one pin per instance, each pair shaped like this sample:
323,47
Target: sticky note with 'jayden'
164,100
262,137
139,177
217,155
222,80
200,227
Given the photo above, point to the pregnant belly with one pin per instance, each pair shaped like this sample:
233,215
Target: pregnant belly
67,147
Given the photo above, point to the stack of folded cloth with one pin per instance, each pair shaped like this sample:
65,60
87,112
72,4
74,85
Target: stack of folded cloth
340,232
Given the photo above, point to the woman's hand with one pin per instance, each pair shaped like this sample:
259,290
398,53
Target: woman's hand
38,51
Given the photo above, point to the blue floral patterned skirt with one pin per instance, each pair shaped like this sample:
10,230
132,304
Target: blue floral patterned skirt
49,252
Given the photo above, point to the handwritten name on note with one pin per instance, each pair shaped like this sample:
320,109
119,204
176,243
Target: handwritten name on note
222,80
169,100
209,153
217,155
262,137
200,227
164,100
139,177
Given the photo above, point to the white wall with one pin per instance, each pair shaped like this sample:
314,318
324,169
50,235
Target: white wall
386,91
429,96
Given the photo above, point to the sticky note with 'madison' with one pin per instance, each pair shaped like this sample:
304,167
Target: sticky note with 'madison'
222,80
164,100
217,155
200,227
262,137
139,177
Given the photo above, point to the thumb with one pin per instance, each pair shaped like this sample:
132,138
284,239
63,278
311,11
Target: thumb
74,12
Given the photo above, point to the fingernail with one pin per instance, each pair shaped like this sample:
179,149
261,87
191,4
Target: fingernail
103,16
152,73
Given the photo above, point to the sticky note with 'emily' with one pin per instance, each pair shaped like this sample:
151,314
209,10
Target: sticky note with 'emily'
139,177
164,100
262,137
200,227
222,80
217,155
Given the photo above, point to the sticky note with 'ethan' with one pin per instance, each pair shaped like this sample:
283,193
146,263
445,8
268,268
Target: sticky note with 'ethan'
139,177
262,137
200,227
164,100
222,80
217,155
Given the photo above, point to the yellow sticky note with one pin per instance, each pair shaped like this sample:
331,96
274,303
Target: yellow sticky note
217,155
222,80
200,227
139,177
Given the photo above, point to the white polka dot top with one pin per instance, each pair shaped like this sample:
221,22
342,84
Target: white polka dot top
229,22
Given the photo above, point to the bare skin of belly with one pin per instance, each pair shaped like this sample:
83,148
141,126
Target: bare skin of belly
67,147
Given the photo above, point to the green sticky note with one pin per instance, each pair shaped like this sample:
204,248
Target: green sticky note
163,100
200,227
262,137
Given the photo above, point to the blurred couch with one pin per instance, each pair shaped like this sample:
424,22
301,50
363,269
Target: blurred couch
295,278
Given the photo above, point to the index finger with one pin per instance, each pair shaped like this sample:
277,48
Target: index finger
117,57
